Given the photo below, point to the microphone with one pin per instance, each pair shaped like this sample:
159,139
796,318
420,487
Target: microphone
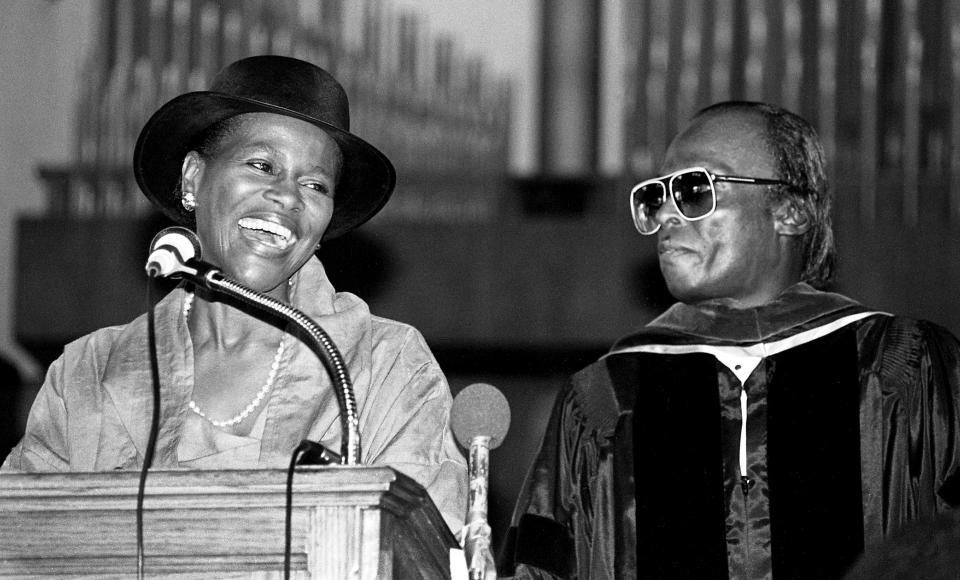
480,419
175,252
170,250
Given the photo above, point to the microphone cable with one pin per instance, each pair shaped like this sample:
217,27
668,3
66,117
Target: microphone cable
288,512
174,252
306,453
154,424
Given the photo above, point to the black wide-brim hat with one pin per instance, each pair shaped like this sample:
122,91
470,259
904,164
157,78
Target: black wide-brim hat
263,84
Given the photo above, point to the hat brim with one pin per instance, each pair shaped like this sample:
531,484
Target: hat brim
367,178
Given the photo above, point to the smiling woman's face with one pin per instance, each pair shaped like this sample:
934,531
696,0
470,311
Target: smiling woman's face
265,195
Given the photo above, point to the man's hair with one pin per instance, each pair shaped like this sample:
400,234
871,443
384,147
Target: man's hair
798,153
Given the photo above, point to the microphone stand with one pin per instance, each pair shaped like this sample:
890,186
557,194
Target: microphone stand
213,279
477,530
169,249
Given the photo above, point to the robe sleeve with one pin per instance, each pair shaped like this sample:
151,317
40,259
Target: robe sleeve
913,405
561,526
940,404
921,363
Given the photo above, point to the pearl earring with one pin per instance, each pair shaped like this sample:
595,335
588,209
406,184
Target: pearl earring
188,200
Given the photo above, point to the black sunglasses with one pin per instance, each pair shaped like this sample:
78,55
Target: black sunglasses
693,193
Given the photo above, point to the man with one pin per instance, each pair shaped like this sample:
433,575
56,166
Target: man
852,417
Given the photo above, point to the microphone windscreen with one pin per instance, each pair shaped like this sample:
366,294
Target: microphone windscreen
184,240
480,409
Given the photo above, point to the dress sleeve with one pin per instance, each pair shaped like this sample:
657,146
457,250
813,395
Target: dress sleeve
407,426
44,446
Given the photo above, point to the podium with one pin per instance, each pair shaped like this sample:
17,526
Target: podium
347,522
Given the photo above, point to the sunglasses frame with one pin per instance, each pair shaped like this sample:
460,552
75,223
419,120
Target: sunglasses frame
666,181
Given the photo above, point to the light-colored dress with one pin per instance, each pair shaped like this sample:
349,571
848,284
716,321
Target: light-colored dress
93,410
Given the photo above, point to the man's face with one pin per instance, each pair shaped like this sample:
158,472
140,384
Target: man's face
736,253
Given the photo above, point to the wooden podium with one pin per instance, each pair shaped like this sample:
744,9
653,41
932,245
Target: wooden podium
348,522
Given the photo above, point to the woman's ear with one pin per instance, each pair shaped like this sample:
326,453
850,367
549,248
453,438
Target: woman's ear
190,172
789,220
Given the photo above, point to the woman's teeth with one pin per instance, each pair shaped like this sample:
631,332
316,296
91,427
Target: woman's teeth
281,234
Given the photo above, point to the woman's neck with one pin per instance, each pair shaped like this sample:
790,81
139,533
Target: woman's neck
225,325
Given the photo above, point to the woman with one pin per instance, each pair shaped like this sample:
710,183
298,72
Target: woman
264,168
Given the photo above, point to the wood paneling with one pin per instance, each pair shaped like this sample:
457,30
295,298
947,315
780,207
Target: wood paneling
347,522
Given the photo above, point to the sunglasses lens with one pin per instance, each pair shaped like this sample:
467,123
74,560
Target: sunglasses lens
645,201
693,193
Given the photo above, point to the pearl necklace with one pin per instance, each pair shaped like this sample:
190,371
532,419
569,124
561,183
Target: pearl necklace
271,377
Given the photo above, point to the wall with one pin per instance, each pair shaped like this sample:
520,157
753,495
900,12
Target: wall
36,97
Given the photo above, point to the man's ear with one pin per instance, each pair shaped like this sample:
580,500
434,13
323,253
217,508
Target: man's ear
190,172
789,220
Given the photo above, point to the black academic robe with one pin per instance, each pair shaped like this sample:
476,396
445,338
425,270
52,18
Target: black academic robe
852,430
